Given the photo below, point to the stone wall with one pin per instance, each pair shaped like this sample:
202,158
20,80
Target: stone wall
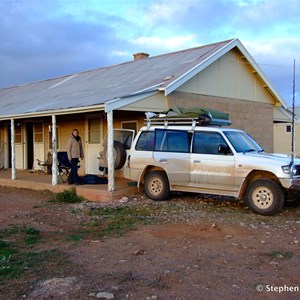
255,118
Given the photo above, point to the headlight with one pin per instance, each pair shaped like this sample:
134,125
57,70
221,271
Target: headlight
286,169
296,170
293,170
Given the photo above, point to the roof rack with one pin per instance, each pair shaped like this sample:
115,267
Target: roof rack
202,120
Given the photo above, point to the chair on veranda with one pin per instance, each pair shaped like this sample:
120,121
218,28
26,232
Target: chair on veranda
45,166
64,166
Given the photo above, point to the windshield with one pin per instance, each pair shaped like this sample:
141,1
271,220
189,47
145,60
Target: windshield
242,142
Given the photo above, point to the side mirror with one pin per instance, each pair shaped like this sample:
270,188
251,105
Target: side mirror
223,149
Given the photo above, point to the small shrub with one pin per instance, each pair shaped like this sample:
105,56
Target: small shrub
31,235
28,234
31,230
9,266
68,196
278,254
116,221
74,237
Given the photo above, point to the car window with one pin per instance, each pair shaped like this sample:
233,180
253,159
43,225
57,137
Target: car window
207,142
145,141
242,142
172,140
123,136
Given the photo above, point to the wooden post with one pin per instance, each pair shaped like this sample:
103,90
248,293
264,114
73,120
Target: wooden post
110,152
54,153
12,140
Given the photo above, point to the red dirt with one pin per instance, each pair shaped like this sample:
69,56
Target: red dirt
214,251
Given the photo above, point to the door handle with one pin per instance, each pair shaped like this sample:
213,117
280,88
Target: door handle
196,161
162,160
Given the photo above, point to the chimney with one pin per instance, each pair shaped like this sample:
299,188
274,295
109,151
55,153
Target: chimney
140,55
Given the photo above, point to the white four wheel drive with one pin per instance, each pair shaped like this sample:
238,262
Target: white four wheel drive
178,154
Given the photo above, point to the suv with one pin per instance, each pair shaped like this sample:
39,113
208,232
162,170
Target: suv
179,155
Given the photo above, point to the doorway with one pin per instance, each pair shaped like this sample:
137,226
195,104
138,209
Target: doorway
29,145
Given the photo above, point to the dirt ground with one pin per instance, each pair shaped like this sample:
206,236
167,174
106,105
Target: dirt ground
198,248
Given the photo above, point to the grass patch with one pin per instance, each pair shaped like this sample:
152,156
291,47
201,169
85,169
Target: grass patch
17,256
67,196
11,264
15,260
74,237
115,221
279,254
29,235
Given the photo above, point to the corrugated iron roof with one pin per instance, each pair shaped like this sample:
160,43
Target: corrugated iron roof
96,87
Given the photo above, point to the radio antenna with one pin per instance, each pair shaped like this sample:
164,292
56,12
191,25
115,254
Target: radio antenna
293,115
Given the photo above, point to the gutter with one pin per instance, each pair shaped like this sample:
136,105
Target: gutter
55,112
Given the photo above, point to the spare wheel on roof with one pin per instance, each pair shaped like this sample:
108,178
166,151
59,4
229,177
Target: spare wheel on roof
119,154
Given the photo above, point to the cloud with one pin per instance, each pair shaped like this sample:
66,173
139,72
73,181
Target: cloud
49,38
164,11
166,43
276,58
37,45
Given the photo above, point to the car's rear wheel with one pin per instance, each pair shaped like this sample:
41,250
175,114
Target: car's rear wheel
265,197
157,185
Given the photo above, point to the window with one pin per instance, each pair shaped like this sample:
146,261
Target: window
18,134
242,142
207,142
124,136
130,125
288,128
146,141
172,141
94,131
38,132
50,138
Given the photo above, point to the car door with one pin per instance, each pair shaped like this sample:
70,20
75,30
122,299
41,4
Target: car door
172,153
210,170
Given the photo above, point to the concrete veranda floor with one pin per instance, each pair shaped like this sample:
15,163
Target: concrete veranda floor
41,181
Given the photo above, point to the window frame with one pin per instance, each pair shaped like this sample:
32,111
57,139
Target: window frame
166,146
205,143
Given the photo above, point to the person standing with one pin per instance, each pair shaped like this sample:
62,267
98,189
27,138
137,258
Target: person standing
75,151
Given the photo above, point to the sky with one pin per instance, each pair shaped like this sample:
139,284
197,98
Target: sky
42,39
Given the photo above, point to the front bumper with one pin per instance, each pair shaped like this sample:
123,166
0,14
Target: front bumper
291,184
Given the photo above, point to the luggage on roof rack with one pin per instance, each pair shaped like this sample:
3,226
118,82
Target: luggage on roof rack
200,120
194,112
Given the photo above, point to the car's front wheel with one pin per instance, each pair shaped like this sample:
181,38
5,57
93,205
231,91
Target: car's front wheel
157,185
292,199
265,197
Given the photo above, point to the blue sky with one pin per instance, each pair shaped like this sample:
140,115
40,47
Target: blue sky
41,39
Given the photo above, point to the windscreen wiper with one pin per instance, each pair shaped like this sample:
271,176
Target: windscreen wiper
249,150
